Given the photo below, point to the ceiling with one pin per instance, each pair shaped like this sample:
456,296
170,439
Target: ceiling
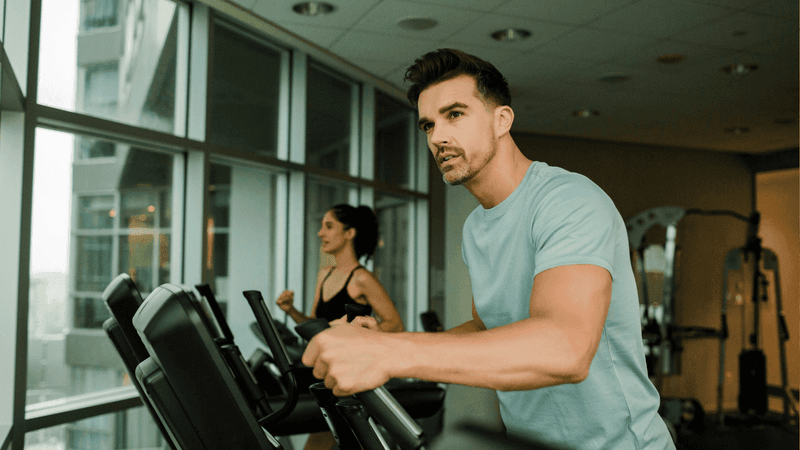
597,55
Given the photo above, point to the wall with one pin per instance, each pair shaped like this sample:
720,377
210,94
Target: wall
638,178
778,201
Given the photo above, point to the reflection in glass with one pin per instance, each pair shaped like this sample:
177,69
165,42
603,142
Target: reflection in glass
394,125
329,119
121,71
244,93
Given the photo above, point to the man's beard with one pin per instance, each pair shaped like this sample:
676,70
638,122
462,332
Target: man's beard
465,173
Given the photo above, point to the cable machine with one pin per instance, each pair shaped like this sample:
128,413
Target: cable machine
663,338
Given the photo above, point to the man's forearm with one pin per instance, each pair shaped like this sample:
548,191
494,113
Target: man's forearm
525,355
466,327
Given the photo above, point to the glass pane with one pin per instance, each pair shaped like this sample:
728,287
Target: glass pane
244,93
96,211
112,59
91,221
94,257
130,429
393,126
394,250
241,244
329,115
321,195
99,14
95,148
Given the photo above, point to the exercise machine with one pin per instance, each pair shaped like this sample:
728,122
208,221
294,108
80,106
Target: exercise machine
200,390
663,338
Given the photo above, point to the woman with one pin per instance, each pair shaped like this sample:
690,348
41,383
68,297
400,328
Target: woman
348,234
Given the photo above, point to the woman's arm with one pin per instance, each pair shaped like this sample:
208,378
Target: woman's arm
286,302
375,294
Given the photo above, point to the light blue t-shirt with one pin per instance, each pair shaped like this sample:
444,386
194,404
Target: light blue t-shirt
555,218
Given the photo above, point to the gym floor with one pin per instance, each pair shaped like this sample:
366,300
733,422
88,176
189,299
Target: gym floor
740,434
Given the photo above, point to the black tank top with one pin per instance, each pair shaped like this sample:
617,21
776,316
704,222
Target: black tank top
334,308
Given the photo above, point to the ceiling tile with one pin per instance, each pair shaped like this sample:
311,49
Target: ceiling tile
347,12
480,32
660,18
777,8
246,4
321,36
725,32
477,5
380,47
565,11
594,45
385,16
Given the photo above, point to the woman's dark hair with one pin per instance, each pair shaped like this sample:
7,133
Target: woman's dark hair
445,64
363,219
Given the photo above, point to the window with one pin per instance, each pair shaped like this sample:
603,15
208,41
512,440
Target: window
90,223
394,134
394,253
99,13
126,72
241,243
244,92
321,195
331,120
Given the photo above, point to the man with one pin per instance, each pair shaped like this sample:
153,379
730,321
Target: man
555,326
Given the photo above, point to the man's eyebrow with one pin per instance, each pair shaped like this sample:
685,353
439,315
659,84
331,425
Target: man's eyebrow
442,110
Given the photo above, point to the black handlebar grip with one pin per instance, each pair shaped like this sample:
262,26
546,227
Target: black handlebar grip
378,402
367,433
336,422
354,310
264,319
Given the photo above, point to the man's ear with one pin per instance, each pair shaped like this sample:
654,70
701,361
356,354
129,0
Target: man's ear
503,119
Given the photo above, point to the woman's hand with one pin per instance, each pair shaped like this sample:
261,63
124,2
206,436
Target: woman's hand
286,301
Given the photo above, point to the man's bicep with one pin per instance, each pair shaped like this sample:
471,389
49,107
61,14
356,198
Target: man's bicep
576,297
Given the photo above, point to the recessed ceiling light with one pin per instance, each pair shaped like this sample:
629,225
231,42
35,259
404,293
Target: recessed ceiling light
739,68
585,113
313,8
416,23
737,130
671,58
510,34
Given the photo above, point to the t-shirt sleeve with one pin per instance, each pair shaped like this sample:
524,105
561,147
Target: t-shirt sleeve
574,224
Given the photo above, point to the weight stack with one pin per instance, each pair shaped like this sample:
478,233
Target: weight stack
752,382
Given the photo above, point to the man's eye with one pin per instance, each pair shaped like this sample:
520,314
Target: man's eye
427,126
454,114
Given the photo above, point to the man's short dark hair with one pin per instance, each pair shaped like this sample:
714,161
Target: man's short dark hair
445,64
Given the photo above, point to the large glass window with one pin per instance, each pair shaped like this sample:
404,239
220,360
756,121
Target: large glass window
394,133
131,429
331,120
321,195
244,92
241,243
90,223
99,13
123,73
394,253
